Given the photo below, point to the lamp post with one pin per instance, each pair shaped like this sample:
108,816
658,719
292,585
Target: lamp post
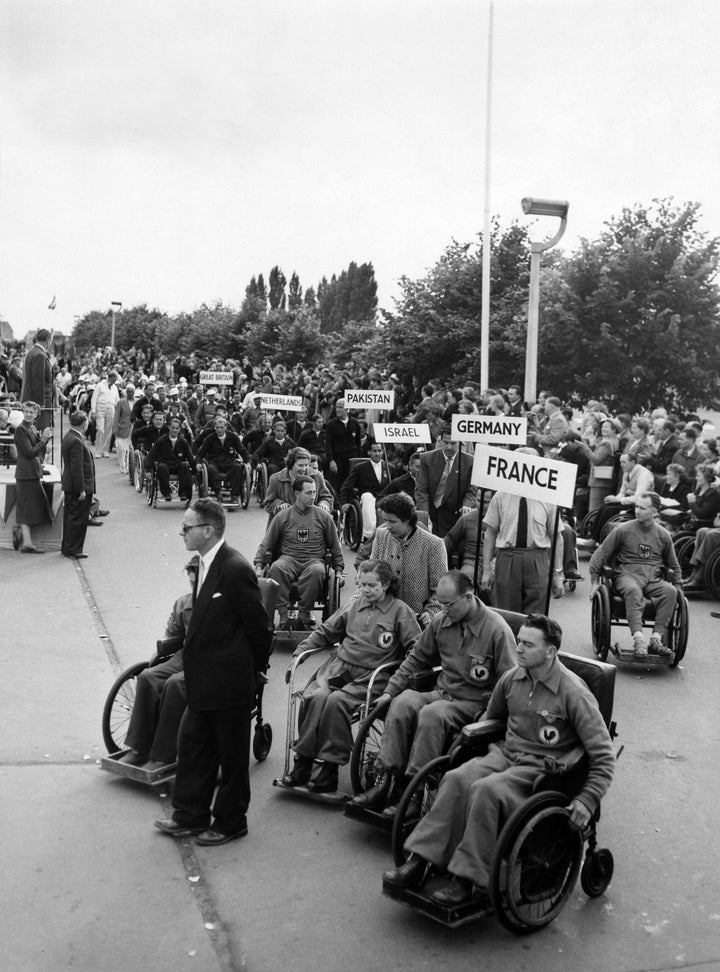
538,207
115,307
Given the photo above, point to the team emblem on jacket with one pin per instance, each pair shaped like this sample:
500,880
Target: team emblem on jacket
479,672
644,551
303,536
549,735
385,639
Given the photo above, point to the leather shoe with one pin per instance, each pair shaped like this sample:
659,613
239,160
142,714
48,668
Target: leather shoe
174,829
300,773
573,575
31,550
413,811
131,758
213,838
92,522
460,891
327,779
376,796
102,513
411,874
77,556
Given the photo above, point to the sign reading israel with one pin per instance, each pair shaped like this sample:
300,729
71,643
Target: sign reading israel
382,398
534,477
216,377
493,429
285,403
405,434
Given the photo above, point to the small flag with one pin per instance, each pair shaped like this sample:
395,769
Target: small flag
51,305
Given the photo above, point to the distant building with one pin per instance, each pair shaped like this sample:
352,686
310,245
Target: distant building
6,332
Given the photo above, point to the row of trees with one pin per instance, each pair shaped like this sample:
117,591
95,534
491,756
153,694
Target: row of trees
632,317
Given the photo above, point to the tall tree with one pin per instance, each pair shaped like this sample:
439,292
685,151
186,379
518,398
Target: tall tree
276,289
295,295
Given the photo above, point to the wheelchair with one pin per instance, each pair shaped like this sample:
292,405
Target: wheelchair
608,608
352,527
684,550
259,480
121,698
328,603
294,714
364,772
203,486
152,488
137,469
538,855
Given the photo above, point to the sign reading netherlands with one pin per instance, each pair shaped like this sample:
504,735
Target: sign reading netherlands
405,434
493,429
382,398
216,377
534,477
285,403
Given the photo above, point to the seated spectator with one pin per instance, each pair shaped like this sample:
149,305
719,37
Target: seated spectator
640,444
280,493
143,435
369,631
676,486
160,696
173,455
704,503
688,455
224,453
474,646
406,482
274,450
368,478
707,541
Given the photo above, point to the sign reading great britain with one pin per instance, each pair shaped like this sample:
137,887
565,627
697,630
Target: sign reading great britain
216,377
404,434
382,398
493,429
284,403
534,477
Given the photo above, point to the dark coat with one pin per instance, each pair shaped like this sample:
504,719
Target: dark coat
30,452
78,469
37,384
458,490
363,479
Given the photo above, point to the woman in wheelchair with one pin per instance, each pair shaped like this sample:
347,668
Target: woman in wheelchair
550,716
371,630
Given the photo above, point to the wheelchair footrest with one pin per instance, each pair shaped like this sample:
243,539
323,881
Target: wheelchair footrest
628,657
158,777
419,900
373,817
335,799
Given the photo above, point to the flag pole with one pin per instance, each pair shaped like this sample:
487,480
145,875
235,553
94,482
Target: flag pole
485,293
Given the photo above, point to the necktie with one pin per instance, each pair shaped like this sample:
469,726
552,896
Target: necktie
522,538
440,491
201,576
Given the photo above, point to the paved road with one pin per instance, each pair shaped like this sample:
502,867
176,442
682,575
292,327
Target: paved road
89,884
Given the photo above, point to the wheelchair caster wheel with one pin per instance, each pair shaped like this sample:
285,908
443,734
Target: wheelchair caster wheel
262,741
597,872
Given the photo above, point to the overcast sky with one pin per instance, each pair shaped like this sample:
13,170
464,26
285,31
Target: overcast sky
166,151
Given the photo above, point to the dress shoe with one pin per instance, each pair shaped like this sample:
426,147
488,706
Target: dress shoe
376,796
411,874
460,891
26,549
212,837
573,575
92,522
102,513
327,779
413,811
300,773
656,646
131,758
80,556
153,765
174,829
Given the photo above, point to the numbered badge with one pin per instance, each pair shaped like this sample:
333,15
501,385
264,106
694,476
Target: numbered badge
303,536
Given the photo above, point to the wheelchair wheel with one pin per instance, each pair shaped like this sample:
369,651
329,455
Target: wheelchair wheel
261,482
609,525
332,601
131,467
597,872
587,527
352,527
678,630
118,706
202,481
426,782
245,488
536,863
363,771
262,741
684,550
151,489
712,575
139,472
600,622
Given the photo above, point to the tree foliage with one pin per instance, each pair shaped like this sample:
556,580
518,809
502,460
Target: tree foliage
350,297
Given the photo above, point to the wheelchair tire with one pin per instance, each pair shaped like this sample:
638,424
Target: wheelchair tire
203,481
352,527
684,550
332,601
131,466
678,630
425,781
364,753
139,473
536,864
712,575
261,482
151,490
586,528
118,707
597,872
245,488
262,741
600,622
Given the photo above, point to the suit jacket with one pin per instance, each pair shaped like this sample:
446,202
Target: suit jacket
403,484
37,384
163,450
30,452
342,440
363,479
78,466
228,639
458,490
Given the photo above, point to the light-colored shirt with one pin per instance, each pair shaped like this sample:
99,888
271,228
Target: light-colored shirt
206,562
502,516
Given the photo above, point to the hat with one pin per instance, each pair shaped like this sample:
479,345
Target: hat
174,390
211,391
183,381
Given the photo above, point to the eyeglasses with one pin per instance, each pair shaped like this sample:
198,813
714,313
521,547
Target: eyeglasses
446,607
186,528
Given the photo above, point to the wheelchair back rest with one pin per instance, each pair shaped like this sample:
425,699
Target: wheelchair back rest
515,619
356,461
599,678
268,593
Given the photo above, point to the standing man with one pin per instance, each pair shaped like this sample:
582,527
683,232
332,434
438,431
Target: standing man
78,485
102,409
555,428
443,488
37,379
227,646
342,443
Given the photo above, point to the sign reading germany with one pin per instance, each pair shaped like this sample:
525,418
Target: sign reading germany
534,477
493,429
404,434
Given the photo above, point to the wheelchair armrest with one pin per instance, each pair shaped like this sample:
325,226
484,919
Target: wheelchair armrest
488,730
298,660
424,681
168,646
385,667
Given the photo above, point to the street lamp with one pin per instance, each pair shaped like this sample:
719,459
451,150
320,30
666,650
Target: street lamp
115,308
538,207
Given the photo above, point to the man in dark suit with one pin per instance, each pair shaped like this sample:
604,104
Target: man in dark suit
369,477
173,455
227,646
406,482
78,485
37,381
443,488
342,443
